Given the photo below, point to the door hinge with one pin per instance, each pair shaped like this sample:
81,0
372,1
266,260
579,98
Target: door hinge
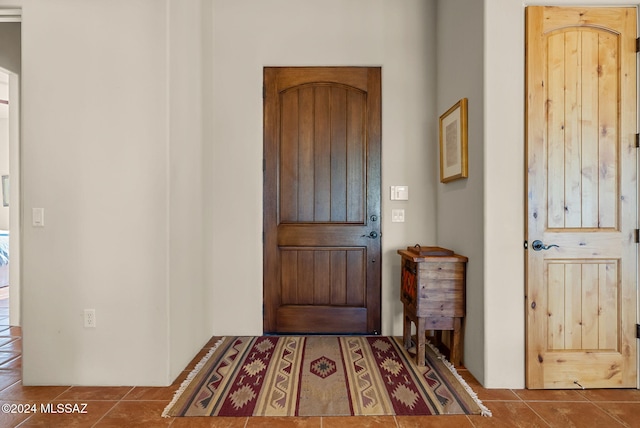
637,141
637,331
636,236
638,45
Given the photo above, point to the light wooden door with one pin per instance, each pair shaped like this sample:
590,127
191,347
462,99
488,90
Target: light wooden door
582,197
322,252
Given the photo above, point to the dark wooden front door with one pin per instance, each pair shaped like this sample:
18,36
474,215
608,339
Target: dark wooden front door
322,253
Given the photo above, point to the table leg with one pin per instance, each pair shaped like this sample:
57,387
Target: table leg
406,329
456,342
420,333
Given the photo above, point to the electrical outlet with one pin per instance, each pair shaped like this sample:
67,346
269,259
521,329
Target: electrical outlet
90,318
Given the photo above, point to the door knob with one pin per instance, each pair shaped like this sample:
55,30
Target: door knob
538,245
372,235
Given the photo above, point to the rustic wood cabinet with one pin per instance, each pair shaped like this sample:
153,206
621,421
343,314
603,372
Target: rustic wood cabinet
433,296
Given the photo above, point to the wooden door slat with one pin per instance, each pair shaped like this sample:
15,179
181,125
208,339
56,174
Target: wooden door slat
322,171
338,154
356,194
572,124
556,131
589,130
289,158
608,130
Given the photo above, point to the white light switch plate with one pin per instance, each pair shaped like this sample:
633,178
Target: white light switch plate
399,193
397,216
38,217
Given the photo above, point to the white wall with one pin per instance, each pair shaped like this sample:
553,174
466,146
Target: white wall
504,194
460,203
114,165
396,35
185,184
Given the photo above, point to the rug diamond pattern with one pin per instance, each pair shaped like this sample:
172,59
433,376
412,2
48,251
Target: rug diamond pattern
323,367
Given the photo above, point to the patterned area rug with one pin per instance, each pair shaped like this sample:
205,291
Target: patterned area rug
321,376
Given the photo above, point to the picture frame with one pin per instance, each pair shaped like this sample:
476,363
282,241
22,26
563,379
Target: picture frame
454,162
5,190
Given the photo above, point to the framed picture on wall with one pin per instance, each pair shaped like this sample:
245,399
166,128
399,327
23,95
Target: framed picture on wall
453,143
5,190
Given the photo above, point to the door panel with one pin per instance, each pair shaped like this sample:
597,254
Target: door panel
322,200
582,193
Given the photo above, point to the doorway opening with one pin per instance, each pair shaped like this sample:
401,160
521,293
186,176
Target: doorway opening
10,68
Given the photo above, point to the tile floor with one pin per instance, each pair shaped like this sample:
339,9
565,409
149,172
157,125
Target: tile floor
141,407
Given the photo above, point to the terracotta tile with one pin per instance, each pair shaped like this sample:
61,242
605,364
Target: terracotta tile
151,393
448,421
611,394
628,413
576,414
4,340
71,414
9,378
209,422
9,419
509,414
135,414
267,422
14,363
18,392
14,346
549,395
84,393
358,422
485,394
7,355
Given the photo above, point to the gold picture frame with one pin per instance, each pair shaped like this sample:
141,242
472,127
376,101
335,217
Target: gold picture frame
454,162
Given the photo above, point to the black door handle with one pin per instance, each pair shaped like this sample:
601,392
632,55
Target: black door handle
372,235
538,245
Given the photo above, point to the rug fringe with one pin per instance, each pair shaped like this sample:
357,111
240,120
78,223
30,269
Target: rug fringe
484,410
185,383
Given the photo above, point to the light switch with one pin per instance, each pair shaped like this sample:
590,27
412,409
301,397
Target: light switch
38,217
397,216
399,193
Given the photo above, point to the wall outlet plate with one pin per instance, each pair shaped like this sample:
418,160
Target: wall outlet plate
89,316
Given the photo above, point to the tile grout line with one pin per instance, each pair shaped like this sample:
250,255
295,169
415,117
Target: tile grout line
114,406
614,417
106,413
536,413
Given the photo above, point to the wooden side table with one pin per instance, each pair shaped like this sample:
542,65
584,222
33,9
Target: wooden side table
433,296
